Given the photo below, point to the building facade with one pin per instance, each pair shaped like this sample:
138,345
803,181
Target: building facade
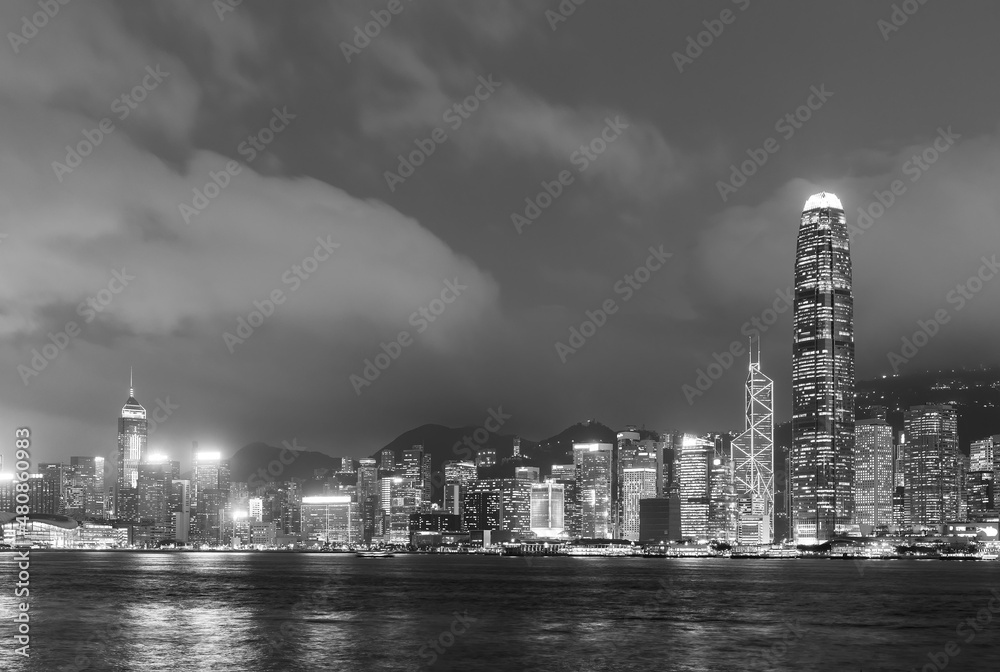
823,376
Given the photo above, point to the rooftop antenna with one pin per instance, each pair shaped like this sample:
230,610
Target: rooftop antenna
131,390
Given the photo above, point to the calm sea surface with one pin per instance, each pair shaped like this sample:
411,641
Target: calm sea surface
289,612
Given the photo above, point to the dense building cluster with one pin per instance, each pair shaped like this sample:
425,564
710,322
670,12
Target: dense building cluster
847,472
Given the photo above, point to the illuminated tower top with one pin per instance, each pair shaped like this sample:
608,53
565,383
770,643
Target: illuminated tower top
823,200
132,408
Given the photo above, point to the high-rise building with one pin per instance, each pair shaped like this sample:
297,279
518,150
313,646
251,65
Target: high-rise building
982,454
210,485
565,475
753,450
368,497
548,509
563,472
822,373
331,520
387,460
417,470
638,478
694,462
932,478
981,485
57,476
399,499
530,474
595,482
131,453
86,487
481,508
155,485
873,475
723,512
457,477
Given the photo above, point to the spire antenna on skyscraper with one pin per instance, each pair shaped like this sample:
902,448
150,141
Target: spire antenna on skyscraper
131,390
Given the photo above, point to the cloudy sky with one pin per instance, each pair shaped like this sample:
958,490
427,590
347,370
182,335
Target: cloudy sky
114,114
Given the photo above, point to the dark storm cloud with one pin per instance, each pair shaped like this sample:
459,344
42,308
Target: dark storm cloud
323,177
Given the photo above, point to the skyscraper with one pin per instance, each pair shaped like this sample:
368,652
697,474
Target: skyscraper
873,477
822,373
548,509
753,450
932,488
694,463
417,470
594,480
131,453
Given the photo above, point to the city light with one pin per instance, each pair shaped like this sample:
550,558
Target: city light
332,499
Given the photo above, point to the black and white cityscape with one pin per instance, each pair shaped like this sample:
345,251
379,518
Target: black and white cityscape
552,335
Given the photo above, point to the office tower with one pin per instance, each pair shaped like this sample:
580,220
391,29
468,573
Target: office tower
387,460
659,520
331,520
981,454
515,505
417,470
131,453
981,484
457,477
399,499
486,457
481,507
8,492
962,470
548,509
210,485
822,373
56,475
368,497
782,491
179,508
563,472
932,464
155,485
980,495
517,446
753,450
513,512
530,474
693,467
873,475
565,475
625,451
346,466
723,512
667,464
92,475
43,493
595,482
638,478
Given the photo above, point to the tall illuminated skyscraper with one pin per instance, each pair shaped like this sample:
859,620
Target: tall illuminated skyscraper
131,453
694,463
873,478
595,482
822,461
932,479
753,450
